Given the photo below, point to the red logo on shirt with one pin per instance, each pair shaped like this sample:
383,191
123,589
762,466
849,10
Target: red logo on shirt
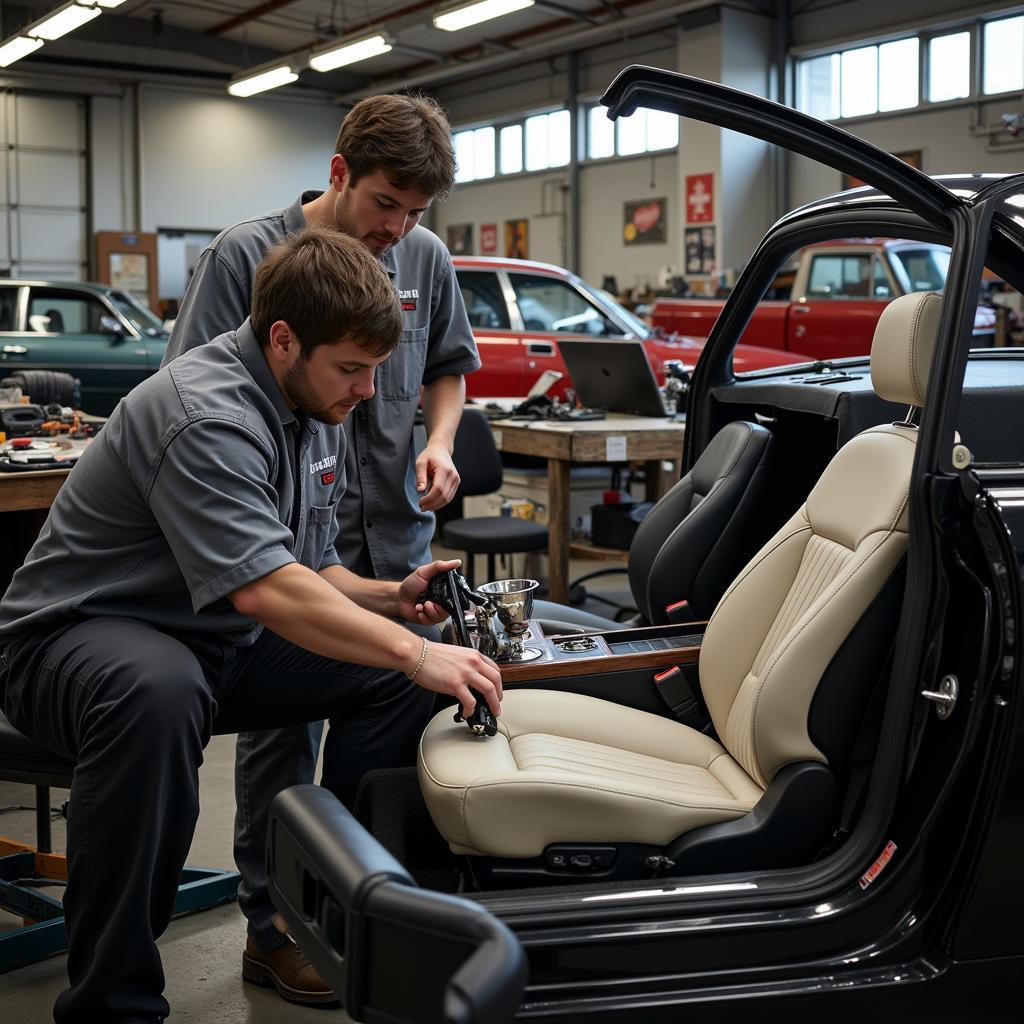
408,297
327,478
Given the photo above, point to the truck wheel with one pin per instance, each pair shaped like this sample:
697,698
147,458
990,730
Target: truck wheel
46,386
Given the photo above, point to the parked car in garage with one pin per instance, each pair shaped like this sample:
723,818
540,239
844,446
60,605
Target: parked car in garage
835,293
101,335
519,309
894,890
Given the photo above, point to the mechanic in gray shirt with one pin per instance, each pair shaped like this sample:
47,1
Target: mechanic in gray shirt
393,158
186,582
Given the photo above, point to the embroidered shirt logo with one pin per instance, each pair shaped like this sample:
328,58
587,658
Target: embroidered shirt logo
325,463
409,297
327,478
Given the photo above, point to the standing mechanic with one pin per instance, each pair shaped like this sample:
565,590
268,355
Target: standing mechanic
186,582
393,158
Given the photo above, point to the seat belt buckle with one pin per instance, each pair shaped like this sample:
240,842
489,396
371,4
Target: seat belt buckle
679,612
675,691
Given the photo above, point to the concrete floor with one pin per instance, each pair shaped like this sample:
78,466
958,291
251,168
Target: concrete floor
202,952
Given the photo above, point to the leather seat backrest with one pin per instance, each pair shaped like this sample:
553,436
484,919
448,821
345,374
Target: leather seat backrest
784,618
690,545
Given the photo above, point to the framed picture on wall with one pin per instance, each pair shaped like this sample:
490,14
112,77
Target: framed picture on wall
644,221
460,239
517,239
910,156
488,239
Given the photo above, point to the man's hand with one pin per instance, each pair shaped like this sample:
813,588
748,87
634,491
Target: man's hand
410,607
454,670
434,466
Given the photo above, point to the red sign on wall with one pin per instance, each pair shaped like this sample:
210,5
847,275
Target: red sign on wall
700,198
488,239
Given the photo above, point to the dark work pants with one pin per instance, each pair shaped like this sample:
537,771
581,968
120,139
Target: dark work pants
135,708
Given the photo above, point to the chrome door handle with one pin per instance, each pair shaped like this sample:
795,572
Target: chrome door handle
15,350
801,309
536,348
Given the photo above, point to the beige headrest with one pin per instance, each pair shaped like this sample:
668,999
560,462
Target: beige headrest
902,349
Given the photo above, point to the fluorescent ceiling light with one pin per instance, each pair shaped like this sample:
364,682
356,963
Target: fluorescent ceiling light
262,80
349,53
64,20
465,15
16,48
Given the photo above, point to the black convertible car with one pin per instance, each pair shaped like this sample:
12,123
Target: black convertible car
834,823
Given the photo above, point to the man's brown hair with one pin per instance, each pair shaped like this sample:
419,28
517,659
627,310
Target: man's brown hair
327,287
408,137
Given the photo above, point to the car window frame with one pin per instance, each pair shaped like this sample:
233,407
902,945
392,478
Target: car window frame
583,294
502,290
100,297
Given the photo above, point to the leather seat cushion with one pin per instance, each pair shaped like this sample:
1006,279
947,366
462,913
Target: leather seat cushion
567,768
495,533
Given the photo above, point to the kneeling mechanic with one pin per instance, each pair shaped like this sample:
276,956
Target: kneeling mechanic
186,583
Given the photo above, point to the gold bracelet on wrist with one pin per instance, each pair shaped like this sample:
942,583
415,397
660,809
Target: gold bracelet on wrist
411,676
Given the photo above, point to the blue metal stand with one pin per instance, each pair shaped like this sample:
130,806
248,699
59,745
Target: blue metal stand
23,871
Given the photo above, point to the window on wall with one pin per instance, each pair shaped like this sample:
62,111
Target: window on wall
901,74
547,141
511,146
949,67
474,154
1003,49
646,131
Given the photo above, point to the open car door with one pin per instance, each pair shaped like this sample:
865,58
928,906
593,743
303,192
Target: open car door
392,951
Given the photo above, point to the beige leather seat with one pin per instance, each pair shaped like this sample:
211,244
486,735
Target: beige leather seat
567,768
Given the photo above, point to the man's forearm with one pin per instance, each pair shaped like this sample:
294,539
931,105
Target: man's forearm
313,612
443,402
379,596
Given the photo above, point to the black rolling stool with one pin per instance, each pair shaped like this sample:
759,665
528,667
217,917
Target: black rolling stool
23,868
477,459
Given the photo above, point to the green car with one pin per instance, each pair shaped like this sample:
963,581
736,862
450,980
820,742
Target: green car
104,337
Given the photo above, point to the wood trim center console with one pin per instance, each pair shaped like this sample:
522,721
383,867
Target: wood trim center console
620,650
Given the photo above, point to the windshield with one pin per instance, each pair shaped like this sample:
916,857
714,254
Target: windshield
922,270
141,318
631,320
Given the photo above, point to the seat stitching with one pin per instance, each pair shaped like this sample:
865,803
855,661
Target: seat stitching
753,565
602,789
792,640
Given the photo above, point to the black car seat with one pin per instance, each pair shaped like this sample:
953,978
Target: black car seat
566,768
691,544
56,325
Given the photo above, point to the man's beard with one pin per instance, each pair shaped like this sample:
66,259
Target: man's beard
345,223
299,391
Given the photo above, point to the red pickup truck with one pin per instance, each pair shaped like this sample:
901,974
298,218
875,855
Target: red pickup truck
827,302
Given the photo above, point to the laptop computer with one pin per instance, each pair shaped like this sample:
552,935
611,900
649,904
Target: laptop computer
613,375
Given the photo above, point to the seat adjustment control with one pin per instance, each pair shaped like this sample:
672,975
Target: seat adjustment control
582,860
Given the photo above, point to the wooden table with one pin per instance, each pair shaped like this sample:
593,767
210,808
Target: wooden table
618,438
25,499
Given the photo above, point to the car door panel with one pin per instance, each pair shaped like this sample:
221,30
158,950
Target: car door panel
362,920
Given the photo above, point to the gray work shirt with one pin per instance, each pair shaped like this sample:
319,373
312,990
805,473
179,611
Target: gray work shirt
383,531
201,481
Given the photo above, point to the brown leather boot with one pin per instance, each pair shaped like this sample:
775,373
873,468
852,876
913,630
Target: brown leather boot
286,969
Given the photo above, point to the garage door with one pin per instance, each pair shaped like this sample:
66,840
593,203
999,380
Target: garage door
42,187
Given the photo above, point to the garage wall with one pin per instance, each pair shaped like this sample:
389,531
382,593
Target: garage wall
208,161
604,187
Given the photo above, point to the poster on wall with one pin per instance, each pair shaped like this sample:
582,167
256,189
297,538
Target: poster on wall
488,239
700,198
129,272
460,239
910,156
699,250
644,221
517,239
